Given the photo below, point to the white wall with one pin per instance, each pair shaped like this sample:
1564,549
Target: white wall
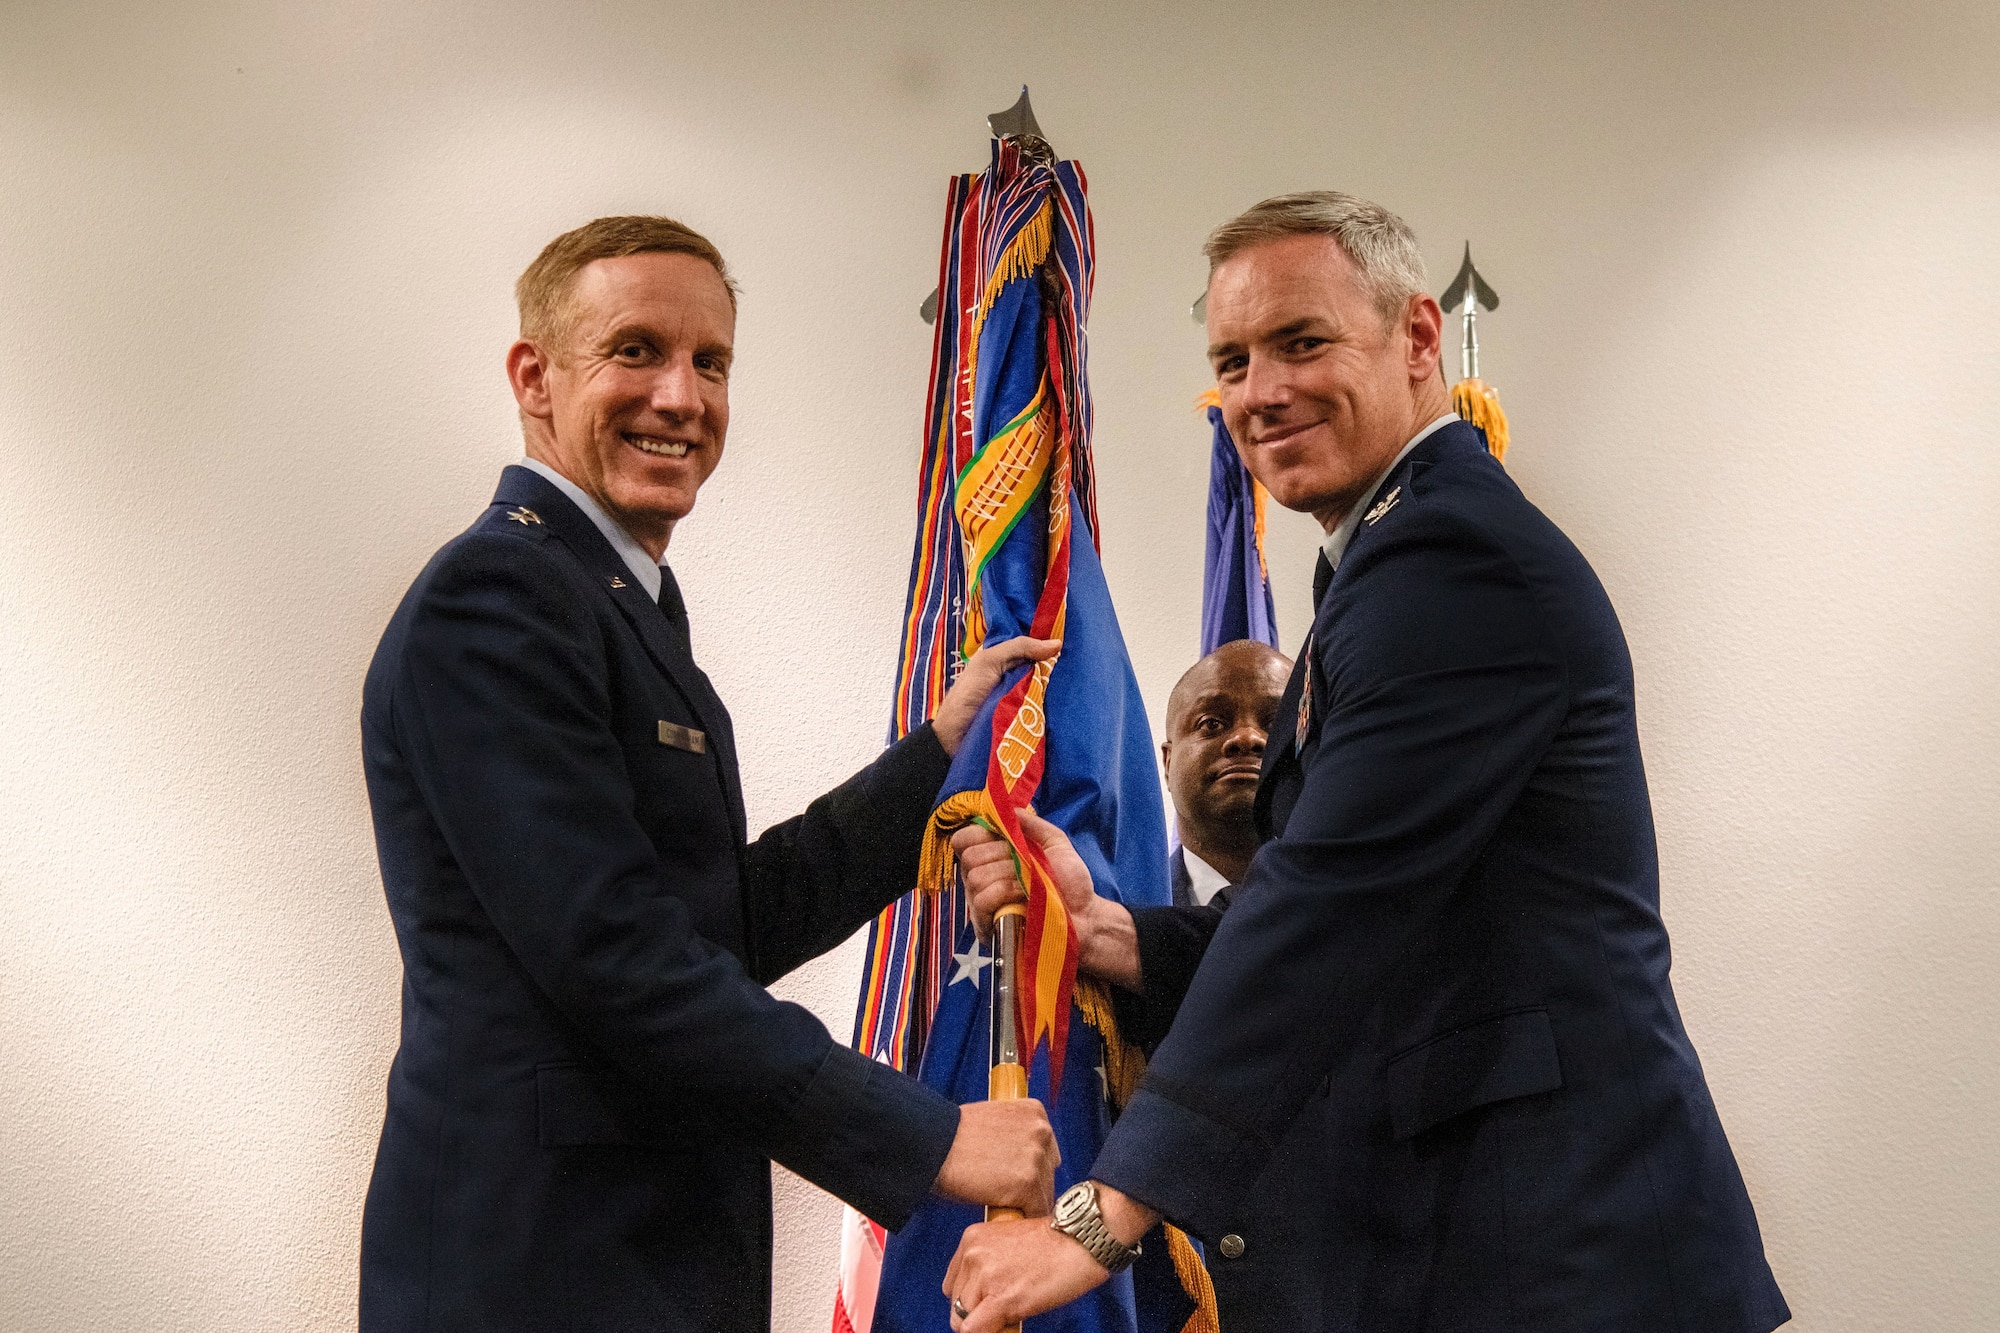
254,272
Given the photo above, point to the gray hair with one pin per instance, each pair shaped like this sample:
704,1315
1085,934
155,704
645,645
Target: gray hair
1381,244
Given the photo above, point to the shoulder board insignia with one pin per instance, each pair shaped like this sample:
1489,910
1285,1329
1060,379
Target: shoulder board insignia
1388,503
524,516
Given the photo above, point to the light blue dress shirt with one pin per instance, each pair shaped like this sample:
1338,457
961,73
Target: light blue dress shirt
634,555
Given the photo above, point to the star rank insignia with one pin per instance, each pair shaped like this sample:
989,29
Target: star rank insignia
524,516
1388,503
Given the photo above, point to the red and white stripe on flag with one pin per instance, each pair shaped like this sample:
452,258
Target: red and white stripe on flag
861,1244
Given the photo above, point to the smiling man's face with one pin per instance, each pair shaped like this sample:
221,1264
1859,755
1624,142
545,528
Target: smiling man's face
1318,389
635,407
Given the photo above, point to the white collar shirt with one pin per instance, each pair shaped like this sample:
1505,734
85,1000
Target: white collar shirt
1204,880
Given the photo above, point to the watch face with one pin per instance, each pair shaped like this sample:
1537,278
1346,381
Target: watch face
1074,1204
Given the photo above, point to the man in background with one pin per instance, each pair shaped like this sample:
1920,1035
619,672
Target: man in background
593,1081
1218,717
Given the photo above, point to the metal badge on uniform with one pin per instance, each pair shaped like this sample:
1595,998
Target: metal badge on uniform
683,738
523,515
1388,503
617,582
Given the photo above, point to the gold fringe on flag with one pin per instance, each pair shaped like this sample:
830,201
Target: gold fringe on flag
935,863
1476,401
1123,1064
1023,255
1195,1281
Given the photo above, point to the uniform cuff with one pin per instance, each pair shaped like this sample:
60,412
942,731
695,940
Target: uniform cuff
1194,1170
870,1136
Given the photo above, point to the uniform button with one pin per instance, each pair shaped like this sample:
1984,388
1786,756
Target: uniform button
1231,1246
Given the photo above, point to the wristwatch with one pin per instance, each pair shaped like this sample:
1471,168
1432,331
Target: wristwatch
1079,1217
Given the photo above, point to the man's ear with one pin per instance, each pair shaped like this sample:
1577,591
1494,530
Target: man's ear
1166,756
528,374
1423,321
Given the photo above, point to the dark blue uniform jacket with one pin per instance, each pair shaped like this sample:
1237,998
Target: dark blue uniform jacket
1429,1069
592,1079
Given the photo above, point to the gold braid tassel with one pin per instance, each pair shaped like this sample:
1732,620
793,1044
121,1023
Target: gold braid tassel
935,863
1476,401
1124,1065
1195,1281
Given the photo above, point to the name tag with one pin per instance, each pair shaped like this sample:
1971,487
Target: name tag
683,738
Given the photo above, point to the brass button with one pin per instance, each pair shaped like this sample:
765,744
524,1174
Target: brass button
1231,1246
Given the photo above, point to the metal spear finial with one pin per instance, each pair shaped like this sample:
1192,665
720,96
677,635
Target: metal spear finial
1468,289
1017,121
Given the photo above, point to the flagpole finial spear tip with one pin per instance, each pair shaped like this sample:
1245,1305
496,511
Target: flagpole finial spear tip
1466,286
1017,121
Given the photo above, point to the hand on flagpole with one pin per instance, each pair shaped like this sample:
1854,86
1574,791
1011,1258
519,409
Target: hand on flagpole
1107,944
1005,1272
982,672
1003,1156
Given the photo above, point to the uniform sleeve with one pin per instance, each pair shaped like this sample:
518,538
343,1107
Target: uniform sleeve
502,707
814,880
1171,942
1446,690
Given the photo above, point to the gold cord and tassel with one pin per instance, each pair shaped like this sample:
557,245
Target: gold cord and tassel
1476,401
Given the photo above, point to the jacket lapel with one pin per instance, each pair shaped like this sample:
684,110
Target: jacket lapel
1183,886
1407,481
522,486
1280,747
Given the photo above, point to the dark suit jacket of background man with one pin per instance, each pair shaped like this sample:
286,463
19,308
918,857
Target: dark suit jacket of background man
592,1077
1429,1068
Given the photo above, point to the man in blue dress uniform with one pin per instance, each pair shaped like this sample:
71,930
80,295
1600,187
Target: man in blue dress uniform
593,1081
1448,962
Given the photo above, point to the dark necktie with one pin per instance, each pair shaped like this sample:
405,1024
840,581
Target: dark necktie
1322,577
674,608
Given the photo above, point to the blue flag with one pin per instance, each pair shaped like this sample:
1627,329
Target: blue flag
1236,585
